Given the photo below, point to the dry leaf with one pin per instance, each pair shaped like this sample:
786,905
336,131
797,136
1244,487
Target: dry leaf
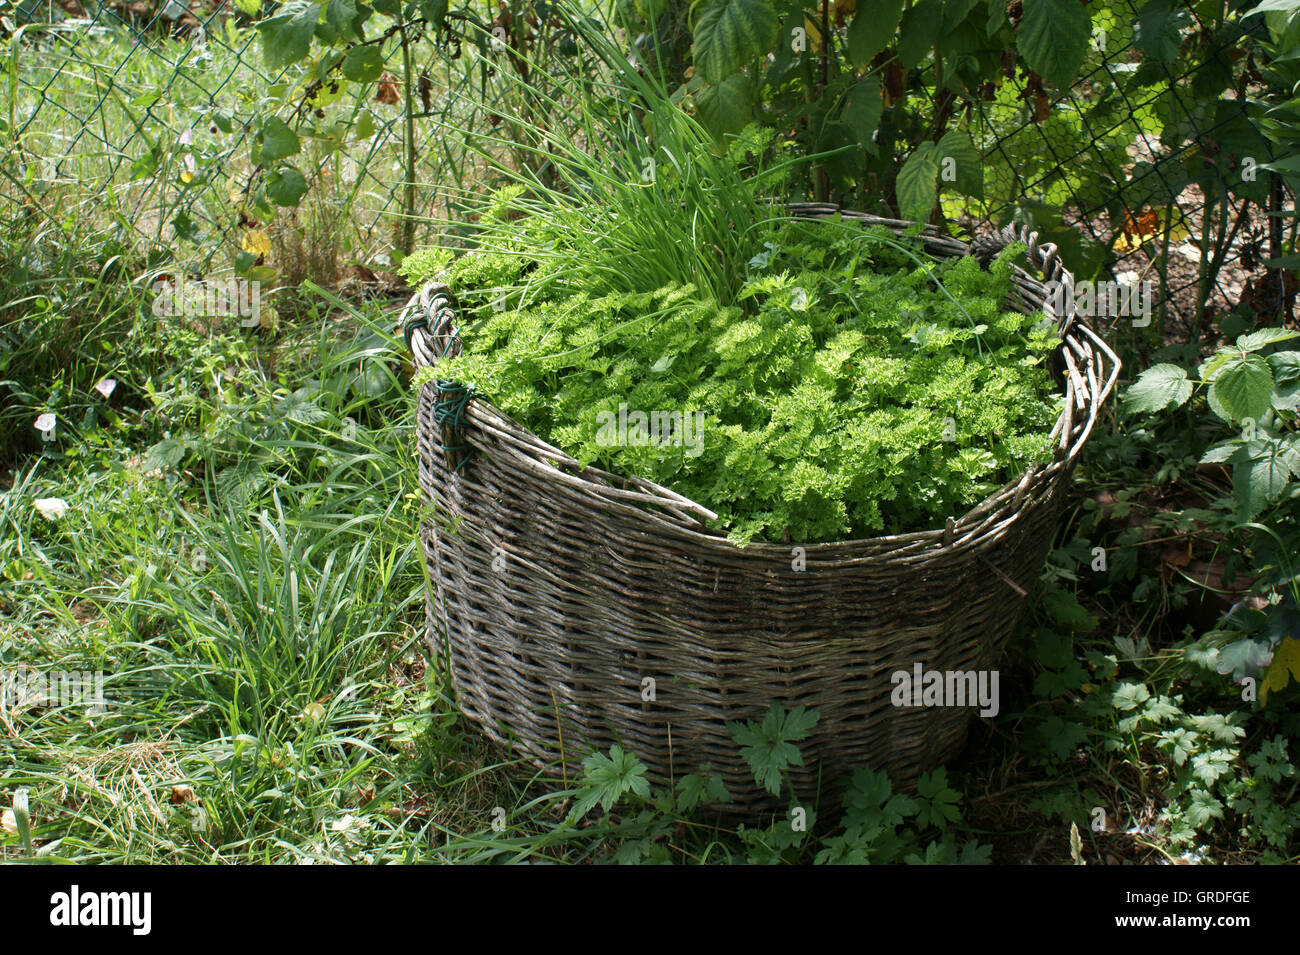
387,91
255,242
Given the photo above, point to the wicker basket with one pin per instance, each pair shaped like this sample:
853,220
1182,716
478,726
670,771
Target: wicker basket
557,590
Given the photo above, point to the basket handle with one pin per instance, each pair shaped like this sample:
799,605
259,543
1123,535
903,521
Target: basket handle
429,326
1042,256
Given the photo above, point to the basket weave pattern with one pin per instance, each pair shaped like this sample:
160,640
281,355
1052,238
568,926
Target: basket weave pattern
557,589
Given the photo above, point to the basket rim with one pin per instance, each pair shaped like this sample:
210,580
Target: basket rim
1092,369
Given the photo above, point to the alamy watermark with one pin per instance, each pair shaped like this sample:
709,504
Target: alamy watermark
639,429
75,907
213,298
24,687
1132,298
922,687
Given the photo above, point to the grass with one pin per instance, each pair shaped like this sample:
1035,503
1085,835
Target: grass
257,608
239,558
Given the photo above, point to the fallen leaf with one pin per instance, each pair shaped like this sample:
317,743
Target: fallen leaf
1284,667
51,508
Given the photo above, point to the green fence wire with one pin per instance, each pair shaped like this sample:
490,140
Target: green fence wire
147,110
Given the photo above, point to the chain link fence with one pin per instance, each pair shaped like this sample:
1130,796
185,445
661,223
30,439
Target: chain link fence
146,111
143,113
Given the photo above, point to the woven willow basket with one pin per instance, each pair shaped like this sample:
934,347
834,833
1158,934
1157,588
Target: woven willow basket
557,589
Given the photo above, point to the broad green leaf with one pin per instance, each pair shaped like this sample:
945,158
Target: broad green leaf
725,107
1242,658
167,453
286,187
1244,388
729,33
966,167
278,140
862,110
286,37
769,747
872,29
1285,365
1209,767
1129,696
956,11
607,778
1203,809
916,183
1286,396
363,64
1222,453
1053,38
1260,480
1156,30
704,787
1253,341
1210,368
919,29
1282,6
435,11
346,20
1159,387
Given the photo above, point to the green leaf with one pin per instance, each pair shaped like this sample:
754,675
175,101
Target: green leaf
286,187
346,20
1260,479
1203,809
1222,453
1244,388
1066,612
435,11
1129,696
916,188
920,28
769,748
1264,337
966,166
1053,38
1282,6
726,107
729,33
1243,658
694,789
1160,386
608,778
363,64
938,803
862,110
872,28
286,37
167,453
1210,767
1285,365
1156,31
278,140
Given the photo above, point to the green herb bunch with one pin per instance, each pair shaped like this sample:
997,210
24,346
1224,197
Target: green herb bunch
849,383
853,386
